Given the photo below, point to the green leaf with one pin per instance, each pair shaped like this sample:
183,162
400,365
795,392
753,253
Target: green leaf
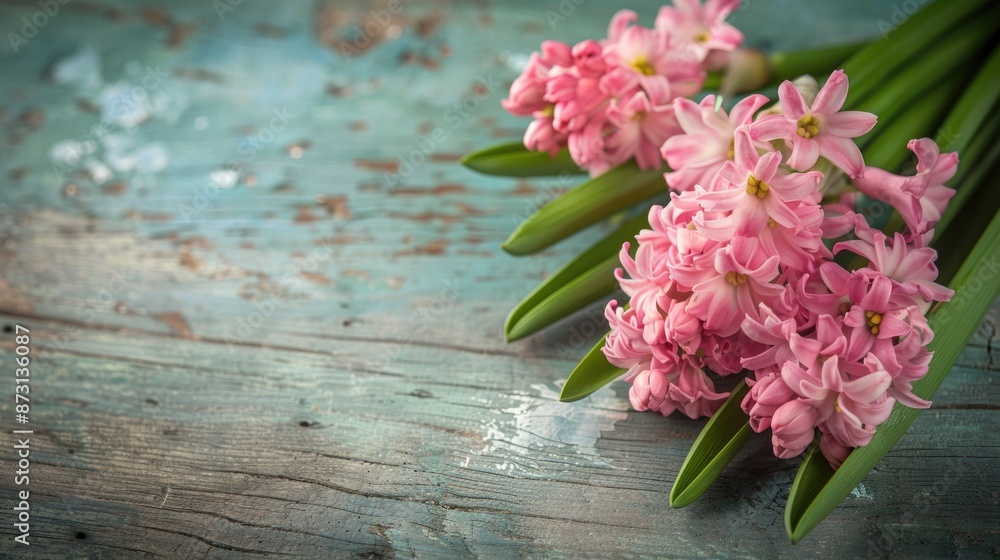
719,441
818,489
921,33
598,198
576,293
549,302
815,61
892,100
514,160
593,372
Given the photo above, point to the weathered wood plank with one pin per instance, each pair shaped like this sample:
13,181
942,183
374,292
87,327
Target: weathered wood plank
311,365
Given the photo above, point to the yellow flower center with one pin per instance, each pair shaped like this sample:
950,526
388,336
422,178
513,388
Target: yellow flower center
874,320
703,37
549,110
731,154
756,187
844,308
643,66
808,126
735,278
771,223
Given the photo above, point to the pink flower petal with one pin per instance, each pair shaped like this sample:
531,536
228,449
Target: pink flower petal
843,153
850,124
805,152
833,94
792,103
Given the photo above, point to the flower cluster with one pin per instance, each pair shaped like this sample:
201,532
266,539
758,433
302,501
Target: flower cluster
737,272
611,101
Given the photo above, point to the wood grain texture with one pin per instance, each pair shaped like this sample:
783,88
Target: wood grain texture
311,364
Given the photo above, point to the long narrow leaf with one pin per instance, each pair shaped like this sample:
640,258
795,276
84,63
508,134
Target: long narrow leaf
818,489
576,293
892,100
923,31
542,299
592,373
599,198
719,441
514,160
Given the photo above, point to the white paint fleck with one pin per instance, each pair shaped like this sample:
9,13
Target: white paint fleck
99,173
861,493
82,68
225,178
201,122
537,424
70,152
151,158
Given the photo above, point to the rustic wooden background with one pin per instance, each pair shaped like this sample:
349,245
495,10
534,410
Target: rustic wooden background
309,362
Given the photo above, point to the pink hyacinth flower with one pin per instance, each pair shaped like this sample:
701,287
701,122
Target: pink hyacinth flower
792,428
911,268
646,56
873,319
707,142
624,346
849,402
821,129
774,333
700,28
759,193
832,450
766,395
921,198
741,279
642,121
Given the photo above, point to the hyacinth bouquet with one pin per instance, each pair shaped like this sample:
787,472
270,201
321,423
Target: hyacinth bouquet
779,253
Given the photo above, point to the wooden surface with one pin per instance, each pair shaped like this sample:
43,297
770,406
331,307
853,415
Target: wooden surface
310,363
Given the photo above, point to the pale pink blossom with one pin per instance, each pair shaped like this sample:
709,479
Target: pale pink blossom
758,192
819,129
792,428
740,280
698,28
920,199
707,140
642,122
766,395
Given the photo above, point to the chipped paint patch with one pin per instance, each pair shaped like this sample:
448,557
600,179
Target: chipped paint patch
536,424
861,493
